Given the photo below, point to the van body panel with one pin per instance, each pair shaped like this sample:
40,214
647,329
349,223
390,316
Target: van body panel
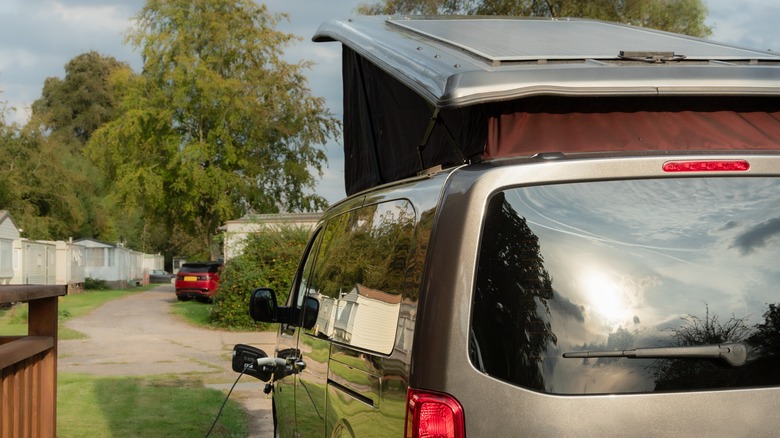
361,392
495,408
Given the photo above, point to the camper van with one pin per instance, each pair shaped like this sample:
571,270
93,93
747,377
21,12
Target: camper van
553,228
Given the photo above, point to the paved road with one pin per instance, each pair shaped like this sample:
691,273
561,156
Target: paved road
137,335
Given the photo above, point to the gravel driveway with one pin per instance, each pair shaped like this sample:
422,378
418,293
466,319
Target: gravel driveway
138,336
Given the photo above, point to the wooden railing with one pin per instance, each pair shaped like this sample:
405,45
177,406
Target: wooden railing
28,365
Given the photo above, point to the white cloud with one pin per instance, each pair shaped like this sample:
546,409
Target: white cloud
41,37
749,23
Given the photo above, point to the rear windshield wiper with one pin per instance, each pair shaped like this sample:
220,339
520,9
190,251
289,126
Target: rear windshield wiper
733,353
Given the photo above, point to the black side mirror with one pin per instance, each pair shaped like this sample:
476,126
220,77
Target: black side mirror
263,308
311,308
262,305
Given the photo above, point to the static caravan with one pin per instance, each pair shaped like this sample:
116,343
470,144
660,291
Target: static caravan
35,262
116,265
236,231
153,262
70,264
8,233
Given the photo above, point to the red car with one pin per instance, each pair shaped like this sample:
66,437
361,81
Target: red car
198,280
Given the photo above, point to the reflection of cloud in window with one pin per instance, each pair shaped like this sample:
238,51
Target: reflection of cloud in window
614,299
655,217
757,236
567,307
677,231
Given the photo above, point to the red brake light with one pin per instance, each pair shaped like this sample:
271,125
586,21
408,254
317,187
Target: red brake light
433,415
707,166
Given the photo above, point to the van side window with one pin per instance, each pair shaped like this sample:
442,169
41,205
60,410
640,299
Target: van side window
304,274
360,275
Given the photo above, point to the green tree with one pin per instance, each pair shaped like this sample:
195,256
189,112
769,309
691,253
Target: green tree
8,182
63,119
217,124
681,16
74,107
36,188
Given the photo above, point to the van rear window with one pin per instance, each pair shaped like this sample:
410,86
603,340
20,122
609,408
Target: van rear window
631,286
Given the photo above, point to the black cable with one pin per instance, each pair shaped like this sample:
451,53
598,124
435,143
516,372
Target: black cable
246,366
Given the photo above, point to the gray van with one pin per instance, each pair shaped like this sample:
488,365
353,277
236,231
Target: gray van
554,228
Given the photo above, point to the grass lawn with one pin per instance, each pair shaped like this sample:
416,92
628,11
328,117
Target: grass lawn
194,312
168,406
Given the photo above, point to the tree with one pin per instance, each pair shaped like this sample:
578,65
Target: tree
63,119
217,124
35,187
681,16
8,189
71,109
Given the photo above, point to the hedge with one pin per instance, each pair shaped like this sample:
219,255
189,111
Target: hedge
270,259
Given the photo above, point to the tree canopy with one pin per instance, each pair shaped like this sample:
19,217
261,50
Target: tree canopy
217,124
40,184
681,16
63,119
72,108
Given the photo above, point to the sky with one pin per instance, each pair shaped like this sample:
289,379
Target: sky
40,36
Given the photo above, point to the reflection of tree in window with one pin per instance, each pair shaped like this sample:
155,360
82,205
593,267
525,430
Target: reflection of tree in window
511,328
361,272
369,246
760,369
417,259
766,337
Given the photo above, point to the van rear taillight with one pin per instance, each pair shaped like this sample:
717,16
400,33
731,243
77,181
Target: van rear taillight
433,415
707,166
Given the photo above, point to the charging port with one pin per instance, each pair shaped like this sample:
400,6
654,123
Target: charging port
245,358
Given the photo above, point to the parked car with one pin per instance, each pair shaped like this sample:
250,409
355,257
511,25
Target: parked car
198,280
160,276
554,228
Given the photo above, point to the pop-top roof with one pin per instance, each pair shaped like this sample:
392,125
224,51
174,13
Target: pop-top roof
457,61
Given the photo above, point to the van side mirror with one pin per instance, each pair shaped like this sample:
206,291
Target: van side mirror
263,308
311,308
262,305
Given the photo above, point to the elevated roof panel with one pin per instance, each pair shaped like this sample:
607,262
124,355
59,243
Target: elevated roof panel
458,61
505,39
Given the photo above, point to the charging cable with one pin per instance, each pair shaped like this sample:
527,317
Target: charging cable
261,362
246,366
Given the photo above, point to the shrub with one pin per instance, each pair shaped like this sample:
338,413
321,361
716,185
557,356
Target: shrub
95,284
270,259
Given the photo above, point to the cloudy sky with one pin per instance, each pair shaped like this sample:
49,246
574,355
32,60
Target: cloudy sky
41,36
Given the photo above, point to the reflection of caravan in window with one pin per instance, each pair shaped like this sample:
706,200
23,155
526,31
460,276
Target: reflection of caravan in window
365,318
536,206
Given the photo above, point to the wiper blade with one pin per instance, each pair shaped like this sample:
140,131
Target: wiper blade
735,354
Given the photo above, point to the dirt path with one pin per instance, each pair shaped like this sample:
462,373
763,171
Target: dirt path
137,335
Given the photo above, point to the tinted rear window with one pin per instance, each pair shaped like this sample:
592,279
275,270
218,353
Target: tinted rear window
199,267
622,265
